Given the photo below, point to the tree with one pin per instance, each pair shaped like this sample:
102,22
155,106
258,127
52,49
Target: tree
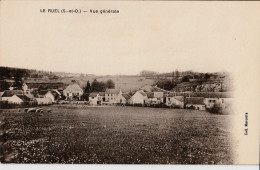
110,84
165,84
186,79
177,75
86,91
97,86
18,82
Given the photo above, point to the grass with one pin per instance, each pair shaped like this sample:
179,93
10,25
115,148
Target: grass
115,135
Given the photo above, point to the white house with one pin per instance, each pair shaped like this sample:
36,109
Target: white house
95,98
140,97
195,102
50,95
14,100
73,92
175,101
111,95
123,98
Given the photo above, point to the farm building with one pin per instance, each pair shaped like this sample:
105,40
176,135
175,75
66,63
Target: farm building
43,101
111,95
123,98
195,102
73,92
140,97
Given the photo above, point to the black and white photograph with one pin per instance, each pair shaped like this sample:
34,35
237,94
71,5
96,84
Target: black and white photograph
129,82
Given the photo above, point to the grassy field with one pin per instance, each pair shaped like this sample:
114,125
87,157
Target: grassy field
115,135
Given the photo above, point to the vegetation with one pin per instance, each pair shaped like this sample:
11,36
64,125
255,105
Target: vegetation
109,135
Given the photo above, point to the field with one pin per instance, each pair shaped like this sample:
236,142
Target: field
115,135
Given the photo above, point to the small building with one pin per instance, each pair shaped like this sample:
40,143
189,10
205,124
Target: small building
175,101
9,93
123,98
195,103
94,98
14,100
73,92
50,95
102,96
140,97
111,95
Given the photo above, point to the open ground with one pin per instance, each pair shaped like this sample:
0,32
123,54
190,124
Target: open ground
115,135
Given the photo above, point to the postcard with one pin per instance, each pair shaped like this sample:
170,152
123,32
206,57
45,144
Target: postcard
129,82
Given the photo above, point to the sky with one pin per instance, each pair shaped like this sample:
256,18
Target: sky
204,37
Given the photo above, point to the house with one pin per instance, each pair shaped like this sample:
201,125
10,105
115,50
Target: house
14,100
102,96
111,95
195,103
175,101
156,97
50,95
27,99
221,99
43,101
123,98
73,92
9,93
140,97
147,88
94,98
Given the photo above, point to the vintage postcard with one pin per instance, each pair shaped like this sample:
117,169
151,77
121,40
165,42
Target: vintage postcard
129,82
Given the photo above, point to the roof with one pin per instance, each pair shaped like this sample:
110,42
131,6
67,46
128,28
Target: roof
112,91
180,98
142,93
147,88
126,96
29,96
195,100
23,97
74,87
93,94
150,95
102,93
212,94
10,93
158,94
43,92
1,94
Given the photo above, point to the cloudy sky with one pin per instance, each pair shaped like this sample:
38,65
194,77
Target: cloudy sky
159,36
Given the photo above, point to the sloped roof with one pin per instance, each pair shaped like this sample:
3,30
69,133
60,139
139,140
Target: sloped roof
10,93
150,95
147,88
112,91
212,94
195,100
142,93
29,96
93,94
126,96
102,93
74,87
23,97
180,98
1,94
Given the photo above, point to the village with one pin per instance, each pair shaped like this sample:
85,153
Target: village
147,95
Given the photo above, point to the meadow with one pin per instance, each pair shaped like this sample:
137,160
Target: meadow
115,135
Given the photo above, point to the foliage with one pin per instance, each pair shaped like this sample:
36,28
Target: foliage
165,84
110,84
97,86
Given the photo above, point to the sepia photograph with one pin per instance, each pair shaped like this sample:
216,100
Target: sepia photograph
129,82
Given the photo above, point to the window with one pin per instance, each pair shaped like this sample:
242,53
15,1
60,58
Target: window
222,100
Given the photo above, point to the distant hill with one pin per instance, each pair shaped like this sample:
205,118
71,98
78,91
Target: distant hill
183,80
